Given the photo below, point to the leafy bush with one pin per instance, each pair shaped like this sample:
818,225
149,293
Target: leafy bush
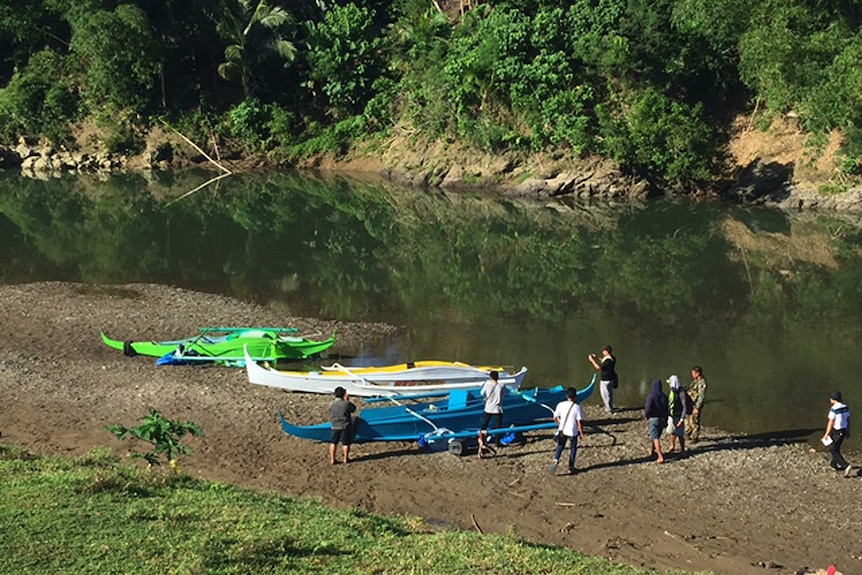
38,100
343,58
260,126
198,124
804,58
247,121
162,434
333,139
657,135
123,132
116,51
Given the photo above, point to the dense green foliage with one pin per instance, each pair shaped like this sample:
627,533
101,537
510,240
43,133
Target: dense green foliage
651,84
95,514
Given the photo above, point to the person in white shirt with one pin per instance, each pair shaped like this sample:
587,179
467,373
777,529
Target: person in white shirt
492,391
837,430
569,419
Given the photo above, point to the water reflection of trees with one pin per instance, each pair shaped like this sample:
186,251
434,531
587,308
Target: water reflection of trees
350,249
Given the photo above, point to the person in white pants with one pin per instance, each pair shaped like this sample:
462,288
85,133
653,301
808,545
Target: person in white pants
608,375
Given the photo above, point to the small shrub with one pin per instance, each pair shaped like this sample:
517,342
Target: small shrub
260,126
830,189
123,135
163,434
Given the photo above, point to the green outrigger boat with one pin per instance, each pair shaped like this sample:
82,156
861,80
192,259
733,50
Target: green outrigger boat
225,345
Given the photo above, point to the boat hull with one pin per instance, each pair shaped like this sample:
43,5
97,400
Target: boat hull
460,415
262,345
400,380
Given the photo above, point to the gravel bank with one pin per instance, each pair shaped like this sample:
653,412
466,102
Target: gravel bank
736,505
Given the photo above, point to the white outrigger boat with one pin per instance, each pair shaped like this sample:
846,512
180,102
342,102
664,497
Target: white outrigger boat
404,379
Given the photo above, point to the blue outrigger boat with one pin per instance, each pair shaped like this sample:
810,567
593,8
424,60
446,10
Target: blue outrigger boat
456,416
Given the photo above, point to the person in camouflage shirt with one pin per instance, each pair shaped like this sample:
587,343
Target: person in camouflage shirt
697,393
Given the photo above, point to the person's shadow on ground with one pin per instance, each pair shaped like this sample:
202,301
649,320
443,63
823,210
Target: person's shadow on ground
719,443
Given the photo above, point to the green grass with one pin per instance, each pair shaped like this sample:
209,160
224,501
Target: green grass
95,514
831,189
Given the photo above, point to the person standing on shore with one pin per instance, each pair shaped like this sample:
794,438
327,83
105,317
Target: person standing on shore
492,391
679,404
837,430
569,419
697,393
341,421
608,375
656,410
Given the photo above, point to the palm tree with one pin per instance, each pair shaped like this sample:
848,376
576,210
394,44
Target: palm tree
255,31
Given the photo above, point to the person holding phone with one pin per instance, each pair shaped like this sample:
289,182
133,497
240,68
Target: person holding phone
607,368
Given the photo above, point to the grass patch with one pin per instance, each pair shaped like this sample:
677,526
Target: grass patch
95,514
831,189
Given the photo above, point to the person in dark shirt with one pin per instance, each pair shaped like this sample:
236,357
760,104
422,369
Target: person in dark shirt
341,420
656,411
680,409
607,374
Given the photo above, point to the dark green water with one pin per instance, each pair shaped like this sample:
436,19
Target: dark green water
768,303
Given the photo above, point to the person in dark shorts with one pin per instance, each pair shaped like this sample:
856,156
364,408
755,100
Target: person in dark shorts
492,391
656,411
341,420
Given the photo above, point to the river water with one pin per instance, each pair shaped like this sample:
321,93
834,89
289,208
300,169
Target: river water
768,303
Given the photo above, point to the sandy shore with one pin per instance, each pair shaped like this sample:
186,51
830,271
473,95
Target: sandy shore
735,505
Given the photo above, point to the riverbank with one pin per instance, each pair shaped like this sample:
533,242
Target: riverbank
773,167
735,505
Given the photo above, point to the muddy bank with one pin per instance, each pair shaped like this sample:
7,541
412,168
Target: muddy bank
735,505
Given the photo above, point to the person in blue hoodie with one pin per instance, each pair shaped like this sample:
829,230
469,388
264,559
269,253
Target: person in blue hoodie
656,411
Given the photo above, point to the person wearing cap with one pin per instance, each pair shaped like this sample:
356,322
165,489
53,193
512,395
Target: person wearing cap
341,421
837,430
697,393
608,375
680,409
